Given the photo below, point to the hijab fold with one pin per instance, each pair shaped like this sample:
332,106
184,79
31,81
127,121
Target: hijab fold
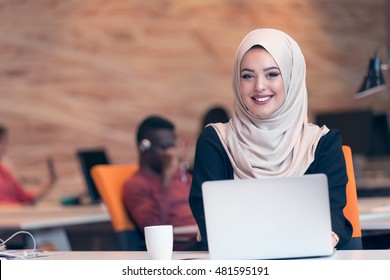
284,143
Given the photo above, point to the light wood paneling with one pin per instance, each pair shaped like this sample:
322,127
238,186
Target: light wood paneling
81,74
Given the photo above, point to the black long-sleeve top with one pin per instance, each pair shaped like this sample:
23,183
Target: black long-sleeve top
212,163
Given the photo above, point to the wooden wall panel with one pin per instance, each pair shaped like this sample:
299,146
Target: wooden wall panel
82,74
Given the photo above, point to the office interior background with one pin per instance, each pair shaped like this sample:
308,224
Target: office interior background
82,74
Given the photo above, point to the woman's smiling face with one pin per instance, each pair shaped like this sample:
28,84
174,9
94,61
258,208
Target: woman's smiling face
261,83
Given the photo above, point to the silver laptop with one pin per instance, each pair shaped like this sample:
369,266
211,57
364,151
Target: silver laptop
268,218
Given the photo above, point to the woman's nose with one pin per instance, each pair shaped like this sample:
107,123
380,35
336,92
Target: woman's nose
260,83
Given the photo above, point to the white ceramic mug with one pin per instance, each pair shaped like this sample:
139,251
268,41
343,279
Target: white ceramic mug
159,242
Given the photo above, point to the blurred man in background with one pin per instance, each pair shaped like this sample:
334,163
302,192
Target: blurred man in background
158,193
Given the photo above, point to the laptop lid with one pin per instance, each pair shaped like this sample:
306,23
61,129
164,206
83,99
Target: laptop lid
268,218
88,159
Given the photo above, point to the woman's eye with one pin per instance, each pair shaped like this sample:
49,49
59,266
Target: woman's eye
246,76
273,75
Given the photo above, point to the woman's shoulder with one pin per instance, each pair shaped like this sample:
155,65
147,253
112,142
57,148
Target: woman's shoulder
329,145
209,143
208,135
331,139
328,154
209,131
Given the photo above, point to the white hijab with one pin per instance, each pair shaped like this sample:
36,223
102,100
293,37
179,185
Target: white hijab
284,143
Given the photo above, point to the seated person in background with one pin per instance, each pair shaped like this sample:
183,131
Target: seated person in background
215,114
11,190
157,194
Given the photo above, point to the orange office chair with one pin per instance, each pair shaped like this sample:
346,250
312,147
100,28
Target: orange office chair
109,180
351,210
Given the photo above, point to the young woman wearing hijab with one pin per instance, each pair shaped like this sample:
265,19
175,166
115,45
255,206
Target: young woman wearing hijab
269,133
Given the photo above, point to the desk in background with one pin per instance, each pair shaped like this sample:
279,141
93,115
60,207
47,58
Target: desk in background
375,186
374,215
49,222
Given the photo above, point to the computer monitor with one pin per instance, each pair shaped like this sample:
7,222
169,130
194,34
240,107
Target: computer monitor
356,128
380,136
88,159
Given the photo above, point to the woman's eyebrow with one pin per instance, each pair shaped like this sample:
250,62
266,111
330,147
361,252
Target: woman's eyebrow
247,69
265,69
271,68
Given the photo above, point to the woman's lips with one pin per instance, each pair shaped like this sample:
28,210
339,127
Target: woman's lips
261,99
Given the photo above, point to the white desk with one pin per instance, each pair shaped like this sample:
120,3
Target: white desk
179,255
47,221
